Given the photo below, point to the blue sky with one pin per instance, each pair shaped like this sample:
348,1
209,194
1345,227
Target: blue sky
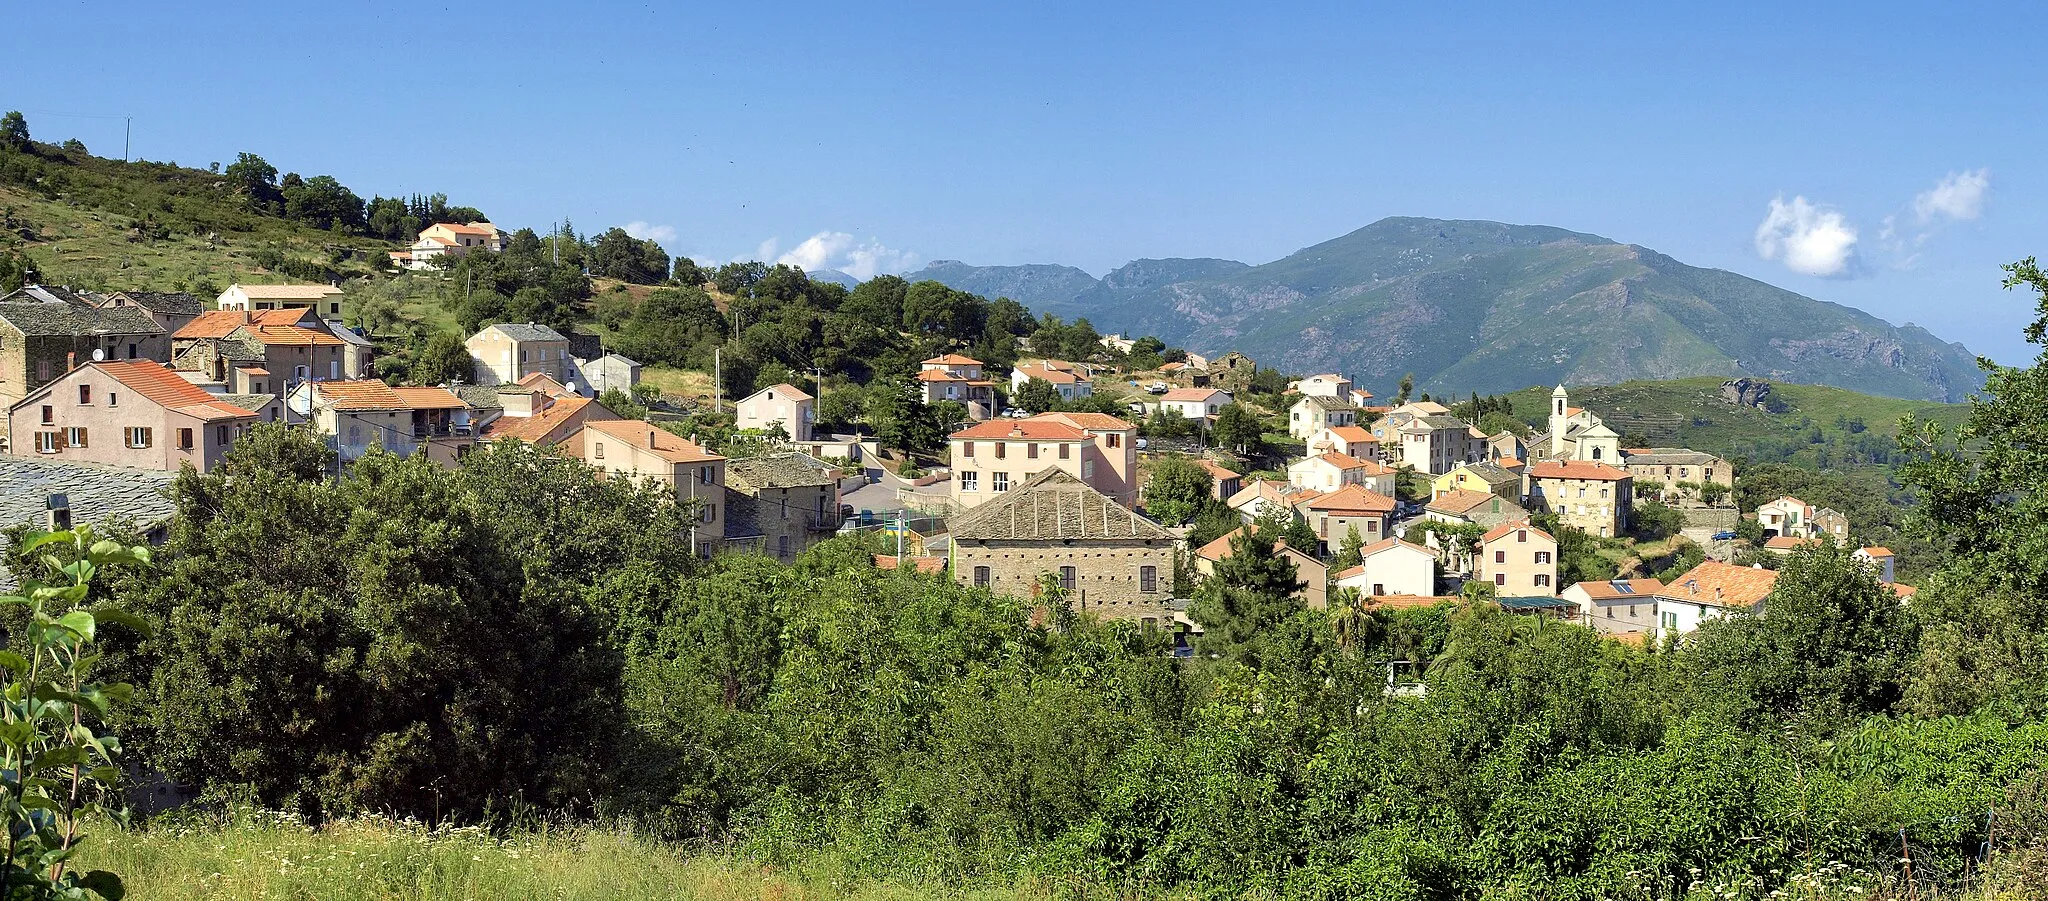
1093,134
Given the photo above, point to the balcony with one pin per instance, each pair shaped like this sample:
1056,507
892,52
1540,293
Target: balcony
824,522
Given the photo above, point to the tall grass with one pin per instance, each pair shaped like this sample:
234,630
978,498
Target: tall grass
257,855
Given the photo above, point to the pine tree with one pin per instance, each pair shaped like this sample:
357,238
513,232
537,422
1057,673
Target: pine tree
1251,591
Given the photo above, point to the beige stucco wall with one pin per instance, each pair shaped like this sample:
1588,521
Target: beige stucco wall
106,426
498,358
1104,468
1513,566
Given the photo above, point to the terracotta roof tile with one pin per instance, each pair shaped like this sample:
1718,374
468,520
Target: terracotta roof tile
1462,501
1354,498
926,565
661,442
1196,395
1609,590
1502,530
1721,585
167,389
952,360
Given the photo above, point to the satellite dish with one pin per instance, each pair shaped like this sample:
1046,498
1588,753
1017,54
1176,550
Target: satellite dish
99,354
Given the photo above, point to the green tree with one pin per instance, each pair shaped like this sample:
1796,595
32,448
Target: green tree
57,765
1348,551
1240,430
1406,387
1248,595
323,202
256,179
1036,396
1833,645
14,130
444,361
1983,496
1177,488
17,269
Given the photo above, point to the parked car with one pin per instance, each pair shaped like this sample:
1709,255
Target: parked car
1157,388
1143,444
1724,536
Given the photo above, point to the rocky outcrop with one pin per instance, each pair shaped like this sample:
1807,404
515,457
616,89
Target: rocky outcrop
1746,392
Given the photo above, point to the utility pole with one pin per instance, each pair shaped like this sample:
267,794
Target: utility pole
717,380
899,538
127,131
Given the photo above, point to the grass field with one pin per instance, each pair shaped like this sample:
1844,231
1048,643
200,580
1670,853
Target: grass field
266,856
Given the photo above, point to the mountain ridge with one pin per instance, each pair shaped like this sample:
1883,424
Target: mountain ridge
1470,305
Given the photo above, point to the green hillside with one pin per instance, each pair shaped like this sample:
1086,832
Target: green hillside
108,225
1811,426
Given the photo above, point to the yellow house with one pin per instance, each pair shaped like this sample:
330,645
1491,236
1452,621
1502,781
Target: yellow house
1487,477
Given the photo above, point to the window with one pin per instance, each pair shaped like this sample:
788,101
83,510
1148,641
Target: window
1582,491
1500,556
85,395
1031,451
43,370
184,439
1542,580
114,400
1148,579
522,355
138,437
1521,536
75,436
1500,580
131,351
1063,451
970,481
220,435
1603,494
705,475
1379,588
707,513
597,450
1116,440
1002,450
999,482
967,448
1542,556
49,415
46,442
782,546
1669,620
981,577
1087,470
1631,611
1067,578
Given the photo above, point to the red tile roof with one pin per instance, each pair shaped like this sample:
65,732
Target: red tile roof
1789,543
1721,585
1353,434
1037,428
1196,395
290,335
1502,530
1354,499
661,442
1461,502
1101,422
952,360
540,425
1576,469
925,565
1878,551
221,323
167,389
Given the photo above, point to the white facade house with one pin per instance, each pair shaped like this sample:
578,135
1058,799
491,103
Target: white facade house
1392,567
1313,414
1709,591
785,406
1195,403
1329,384
322,299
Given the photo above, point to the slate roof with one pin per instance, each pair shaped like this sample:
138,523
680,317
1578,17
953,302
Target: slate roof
1327,404
253,402
1053,506
97,494
479,397
54,294
1492,473
175,304
526,331
1675,456
48,319
788,470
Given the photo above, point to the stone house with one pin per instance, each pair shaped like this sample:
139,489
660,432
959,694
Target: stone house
41,340
1592,496
1314,576
1232,372
631,449
790,501
1391,567
1669,466
782,406
133,413
598,374
1619,607
510,351
989,458
1519,559
1111,562
281,348
170,311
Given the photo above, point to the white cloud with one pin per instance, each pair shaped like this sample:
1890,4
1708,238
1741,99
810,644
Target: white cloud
841,251
645,231
1809,238
1959,196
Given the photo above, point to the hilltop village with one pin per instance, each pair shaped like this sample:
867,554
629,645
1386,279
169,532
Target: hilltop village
1124,475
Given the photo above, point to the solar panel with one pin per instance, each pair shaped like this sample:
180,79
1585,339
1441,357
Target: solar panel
1622,587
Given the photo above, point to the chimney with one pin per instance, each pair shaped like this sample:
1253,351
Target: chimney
70,360
57,511
1717,594
650,438
517,403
